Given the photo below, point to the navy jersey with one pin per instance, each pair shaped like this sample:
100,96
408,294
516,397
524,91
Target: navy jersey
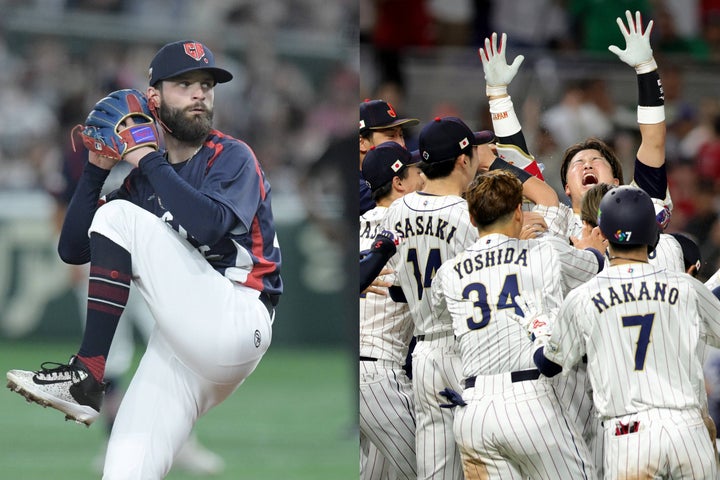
224,170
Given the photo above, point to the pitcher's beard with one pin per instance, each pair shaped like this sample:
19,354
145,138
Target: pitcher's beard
193,130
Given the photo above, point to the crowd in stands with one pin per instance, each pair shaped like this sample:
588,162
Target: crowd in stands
286,101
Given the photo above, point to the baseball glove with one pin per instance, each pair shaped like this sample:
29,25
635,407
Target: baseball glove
107,130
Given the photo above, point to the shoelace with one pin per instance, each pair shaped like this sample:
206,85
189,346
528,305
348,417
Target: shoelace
60,369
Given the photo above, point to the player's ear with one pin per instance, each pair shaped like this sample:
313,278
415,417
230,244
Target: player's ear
519,213
153,97
365,144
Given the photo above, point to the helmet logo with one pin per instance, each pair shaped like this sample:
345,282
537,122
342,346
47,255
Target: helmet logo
621,236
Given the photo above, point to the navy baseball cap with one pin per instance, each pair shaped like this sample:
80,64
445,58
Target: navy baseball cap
385,161
484,136
184,56
690,250
379,114
444,138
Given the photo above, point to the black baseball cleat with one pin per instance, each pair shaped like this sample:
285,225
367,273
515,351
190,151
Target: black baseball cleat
69,388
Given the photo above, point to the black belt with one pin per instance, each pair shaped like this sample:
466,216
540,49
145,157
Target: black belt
421,338
265,299
519,376
368,359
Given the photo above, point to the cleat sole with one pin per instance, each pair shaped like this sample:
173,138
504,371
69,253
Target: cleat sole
32,398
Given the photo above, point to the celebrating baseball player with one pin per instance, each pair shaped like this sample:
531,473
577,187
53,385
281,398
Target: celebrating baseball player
387,416
499,429
593,161
379,123
434,225
192,227
640,327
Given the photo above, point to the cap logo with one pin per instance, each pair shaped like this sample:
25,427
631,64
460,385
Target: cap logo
362,124
391,111
396,166
464,142
194,50
425,154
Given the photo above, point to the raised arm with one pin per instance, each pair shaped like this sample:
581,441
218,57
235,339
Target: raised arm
512,149
651,100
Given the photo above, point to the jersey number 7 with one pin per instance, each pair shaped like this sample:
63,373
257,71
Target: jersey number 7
645,322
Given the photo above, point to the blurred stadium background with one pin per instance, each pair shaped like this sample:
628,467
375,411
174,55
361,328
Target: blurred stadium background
293,97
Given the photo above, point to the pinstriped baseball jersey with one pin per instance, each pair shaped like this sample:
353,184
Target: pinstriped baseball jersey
640,327
478,288
667,254
434,228
558,219
386,404
576,266
385,326
713,281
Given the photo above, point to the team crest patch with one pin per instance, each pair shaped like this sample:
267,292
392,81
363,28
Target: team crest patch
194,50
396,166
258,338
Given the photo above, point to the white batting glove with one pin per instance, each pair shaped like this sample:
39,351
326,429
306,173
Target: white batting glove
536,321
638,53
498,74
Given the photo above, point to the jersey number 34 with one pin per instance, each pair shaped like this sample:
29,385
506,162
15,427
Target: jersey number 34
477,292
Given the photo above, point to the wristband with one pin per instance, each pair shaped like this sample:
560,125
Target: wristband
500,164
504,120
495,90
650,115
650,90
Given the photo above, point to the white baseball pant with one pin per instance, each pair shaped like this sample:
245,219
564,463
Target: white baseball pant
210,333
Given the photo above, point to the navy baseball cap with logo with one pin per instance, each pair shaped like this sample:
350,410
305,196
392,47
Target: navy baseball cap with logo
184,56
444,139
379,114
385,161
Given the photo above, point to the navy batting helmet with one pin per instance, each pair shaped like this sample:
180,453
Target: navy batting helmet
626,216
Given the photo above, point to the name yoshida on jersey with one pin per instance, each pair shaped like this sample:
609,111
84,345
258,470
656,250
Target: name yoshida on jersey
227,171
